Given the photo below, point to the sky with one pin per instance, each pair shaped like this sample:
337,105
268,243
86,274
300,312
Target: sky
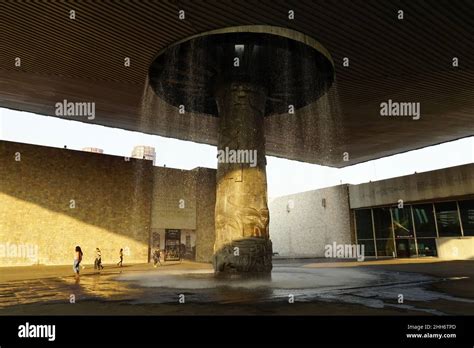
284,176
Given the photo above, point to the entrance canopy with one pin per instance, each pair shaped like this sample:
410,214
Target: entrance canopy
384,53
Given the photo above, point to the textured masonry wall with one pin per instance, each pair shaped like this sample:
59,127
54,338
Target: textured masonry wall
171,186
197,189
308,226
206,203
112,199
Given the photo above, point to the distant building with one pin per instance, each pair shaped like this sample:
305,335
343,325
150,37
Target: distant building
144,152
93,149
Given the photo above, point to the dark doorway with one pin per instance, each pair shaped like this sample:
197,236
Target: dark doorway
405,248
172,245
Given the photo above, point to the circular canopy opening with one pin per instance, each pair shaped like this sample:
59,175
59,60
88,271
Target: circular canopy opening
294,69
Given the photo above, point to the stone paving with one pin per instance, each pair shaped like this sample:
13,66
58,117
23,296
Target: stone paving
351,288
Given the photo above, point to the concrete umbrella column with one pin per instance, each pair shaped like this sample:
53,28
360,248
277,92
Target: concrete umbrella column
241,215
238,76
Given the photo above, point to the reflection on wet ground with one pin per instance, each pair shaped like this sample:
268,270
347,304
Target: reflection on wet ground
94,287
371,288
364,286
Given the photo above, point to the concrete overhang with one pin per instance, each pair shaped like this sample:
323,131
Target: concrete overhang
403,60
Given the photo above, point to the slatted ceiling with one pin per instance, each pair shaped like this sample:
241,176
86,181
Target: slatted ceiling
119,15
169,25
130,43
64,44
458,16
355,22
388,57
45,62
440,82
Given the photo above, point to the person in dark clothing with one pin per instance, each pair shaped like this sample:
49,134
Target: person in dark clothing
77,259
98,260
121,258
156,258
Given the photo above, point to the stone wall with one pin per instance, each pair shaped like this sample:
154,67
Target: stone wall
301,226
186,200
174,199
54,199
205,206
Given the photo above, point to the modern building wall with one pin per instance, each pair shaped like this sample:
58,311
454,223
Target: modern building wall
54,199
438,201
457,248
436,184
302,224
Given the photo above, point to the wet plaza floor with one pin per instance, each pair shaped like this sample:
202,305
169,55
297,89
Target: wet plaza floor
291,283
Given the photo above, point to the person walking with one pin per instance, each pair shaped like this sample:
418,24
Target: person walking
156,257
77,259
98,260
121,258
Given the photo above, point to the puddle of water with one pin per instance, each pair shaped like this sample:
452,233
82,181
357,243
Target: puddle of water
363,286
371,288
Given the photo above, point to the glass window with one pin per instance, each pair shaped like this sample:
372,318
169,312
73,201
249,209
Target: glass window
447,219
385,247
427,247
402,222
405,248
369,248
424,220
383,223
467,216
364,224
